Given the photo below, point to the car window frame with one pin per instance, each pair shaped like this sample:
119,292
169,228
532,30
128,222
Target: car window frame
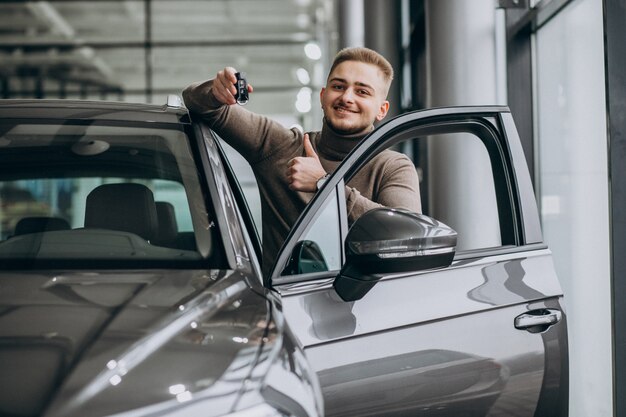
205,147
240,197
486,122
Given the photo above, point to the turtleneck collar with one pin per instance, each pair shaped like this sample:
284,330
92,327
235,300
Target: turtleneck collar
335,146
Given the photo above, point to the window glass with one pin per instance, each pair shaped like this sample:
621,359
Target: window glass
247,181
110,193
456,185
460,189
573,180
320,247
446,176
325,231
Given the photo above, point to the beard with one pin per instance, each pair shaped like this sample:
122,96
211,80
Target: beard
347,128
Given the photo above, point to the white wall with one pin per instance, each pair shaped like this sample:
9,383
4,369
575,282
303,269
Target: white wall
573,182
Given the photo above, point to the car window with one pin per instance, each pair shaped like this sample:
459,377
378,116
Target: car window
116,195
464,198
320,248
247,183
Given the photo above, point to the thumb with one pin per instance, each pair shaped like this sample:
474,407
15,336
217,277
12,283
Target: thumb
308,148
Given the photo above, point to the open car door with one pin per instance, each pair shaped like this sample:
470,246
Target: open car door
457,311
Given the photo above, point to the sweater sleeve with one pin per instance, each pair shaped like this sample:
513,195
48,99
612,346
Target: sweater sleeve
254,136
399,188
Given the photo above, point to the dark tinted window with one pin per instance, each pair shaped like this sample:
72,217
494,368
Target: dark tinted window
117,195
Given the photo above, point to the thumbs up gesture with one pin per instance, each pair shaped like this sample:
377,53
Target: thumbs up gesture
304,171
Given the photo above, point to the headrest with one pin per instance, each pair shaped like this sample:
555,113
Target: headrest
40,224
168,228
126,207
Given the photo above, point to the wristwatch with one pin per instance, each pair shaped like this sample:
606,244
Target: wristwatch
321,181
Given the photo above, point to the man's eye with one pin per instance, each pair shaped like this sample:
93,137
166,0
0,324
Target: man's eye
364,92
338,87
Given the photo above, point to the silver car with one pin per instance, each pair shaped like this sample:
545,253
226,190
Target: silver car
135,288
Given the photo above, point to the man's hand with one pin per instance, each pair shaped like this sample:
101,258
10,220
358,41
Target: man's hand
223,88
304,171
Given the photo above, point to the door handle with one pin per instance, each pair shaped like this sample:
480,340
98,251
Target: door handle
537,321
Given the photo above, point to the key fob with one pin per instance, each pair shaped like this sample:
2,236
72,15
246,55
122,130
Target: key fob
242,88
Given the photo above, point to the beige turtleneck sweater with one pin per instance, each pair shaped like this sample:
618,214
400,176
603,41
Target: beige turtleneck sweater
389,179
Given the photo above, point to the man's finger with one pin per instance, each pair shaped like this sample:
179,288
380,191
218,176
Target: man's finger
308,148
224,91
227,85
230,72
224,98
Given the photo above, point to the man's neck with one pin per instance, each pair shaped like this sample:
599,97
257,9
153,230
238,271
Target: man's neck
334,145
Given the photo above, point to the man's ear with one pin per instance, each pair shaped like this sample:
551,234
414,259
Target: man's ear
322,94
382,111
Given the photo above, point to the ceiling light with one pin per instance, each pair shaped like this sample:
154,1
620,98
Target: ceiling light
303,76
303,100
313,51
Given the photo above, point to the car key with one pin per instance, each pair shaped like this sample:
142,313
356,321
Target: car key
242,88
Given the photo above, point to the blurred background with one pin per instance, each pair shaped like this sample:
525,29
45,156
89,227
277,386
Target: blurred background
558,64
141,51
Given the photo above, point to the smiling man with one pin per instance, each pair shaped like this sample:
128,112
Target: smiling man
290,166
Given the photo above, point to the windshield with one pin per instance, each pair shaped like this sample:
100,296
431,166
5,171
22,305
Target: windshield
81,195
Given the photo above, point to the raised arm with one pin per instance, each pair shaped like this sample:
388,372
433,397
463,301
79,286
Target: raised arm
397,187
254,136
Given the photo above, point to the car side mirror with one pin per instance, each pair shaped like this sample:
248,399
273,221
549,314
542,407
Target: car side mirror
306,257
385,241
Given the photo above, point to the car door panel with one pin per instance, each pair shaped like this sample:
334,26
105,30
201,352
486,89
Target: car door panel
384,348
471,287
452,377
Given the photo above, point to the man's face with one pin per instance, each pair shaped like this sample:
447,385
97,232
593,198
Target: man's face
354,97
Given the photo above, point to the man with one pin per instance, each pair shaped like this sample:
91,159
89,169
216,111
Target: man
289,166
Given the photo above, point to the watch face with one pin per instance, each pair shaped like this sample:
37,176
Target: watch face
321,181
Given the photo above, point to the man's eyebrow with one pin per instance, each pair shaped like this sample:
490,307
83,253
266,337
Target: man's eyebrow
359,83
341,80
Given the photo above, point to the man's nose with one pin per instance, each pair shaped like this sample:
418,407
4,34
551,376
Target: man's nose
348,95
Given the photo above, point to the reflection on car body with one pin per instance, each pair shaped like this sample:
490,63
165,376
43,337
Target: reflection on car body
133,285
445,379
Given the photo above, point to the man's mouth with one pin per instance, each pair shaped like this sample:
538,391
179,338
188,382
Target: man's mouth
341,109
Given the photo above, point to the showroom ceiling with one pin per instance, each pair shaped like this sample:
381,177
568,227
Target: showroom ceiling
142,50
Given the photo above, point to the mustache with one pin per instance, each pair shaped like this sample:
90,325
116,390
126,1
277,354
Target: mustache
343,107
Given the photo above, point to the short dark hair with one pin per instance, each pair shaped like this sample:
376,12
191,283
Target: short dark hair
368,56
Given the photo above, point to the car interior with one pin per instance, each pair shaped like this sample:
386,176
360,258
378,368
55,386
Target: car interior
75,193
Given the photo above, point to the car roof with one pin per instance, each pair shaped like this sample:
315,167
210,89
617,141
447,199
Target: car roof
174,112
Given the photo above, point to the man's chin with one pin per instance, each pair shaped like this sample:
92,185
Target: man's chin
346,129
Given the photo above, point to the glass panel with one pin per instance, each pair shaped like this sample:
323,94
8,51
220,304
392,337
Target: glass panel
455,186
247,182
461,190
115,193
574,189
448,177
320,248
326,233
